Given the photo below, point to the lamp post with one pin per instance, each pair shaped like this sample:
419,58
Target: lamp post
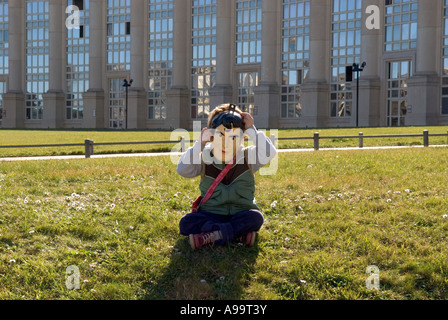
127,84
358,69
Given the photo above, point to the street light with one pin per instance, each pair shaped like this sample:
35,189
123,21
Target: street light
358,69
127,84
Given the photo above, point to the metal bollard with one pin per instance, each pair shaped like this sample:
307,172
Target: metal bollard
316,141
426,138
182,144
88,146
361,140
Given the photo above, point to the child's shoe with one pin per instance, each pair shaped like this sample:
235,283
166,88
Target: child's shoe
248,239
197,241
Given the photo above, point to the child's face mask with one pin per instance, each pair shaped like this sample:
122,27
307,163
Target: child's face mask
225,143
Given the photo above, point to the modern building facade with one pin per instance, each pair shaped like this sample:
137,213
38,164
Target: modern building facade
63,62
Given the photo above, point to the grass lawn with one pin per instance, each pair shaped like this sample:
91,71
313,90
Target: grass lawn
44,137
328,216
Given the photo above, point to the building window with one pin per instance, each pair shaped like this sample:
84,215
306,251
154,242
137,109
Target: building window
295,55
37,57
203,69
248,31
4,41
397,92
118,35
445,60
117,107
160,67
401,25
346,50
2,91
77,72
247,81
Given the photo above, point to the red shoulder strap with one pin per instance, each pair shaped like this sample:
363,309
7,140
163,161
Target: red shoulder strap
218,179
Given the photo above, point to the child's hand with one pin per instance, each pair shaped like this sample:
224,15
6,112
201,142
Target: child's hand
248,120
206,136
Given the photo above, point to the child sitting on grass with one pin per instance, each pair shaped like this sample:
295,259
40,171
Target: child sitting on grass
231,213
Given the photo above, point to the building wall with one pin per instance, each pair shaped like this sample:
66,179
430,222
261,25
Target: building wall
284,61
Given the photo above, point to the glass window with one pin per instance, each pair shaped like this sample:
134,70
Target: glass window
397,92
295,55
444,110
161,19
4,41
77,64
2,91
401,25
37,57
248,31
346,50
118,35
203,69
247,81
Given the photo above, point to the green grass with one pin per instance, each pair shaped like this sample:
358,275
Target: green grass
329,215
43,137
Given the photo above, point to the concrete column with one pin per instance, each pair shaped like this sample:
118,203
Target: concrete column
369,83
14,98
54,99
223,90
268,90
138,101
424,86
315,92
94,100
178,112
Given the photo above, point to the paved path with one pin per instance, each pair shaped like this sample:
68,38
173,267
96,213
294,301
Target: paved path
134,155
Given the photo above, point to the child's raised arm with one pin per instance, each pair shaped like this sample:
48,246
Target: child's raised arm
190,164
262,151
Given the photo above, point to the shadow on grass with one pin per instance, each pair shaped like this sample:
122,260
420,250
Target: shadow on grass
214,273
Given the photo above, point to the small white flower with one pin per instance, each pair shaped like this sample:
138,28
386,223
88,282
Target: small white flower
389,200
274,204
12,261
445,216
407,191
112,206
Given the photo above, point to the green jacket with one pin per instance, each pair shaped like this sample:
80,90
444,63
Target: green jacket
235,193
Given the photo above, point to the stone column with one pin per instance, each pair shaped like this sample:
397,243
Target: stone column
315,92
268,90
54,99
223,90
138,102
424,86
369,83
95,112
178,112
14,98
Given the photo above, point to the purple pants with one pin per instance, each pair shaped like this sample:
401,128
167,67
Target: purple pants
231,227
